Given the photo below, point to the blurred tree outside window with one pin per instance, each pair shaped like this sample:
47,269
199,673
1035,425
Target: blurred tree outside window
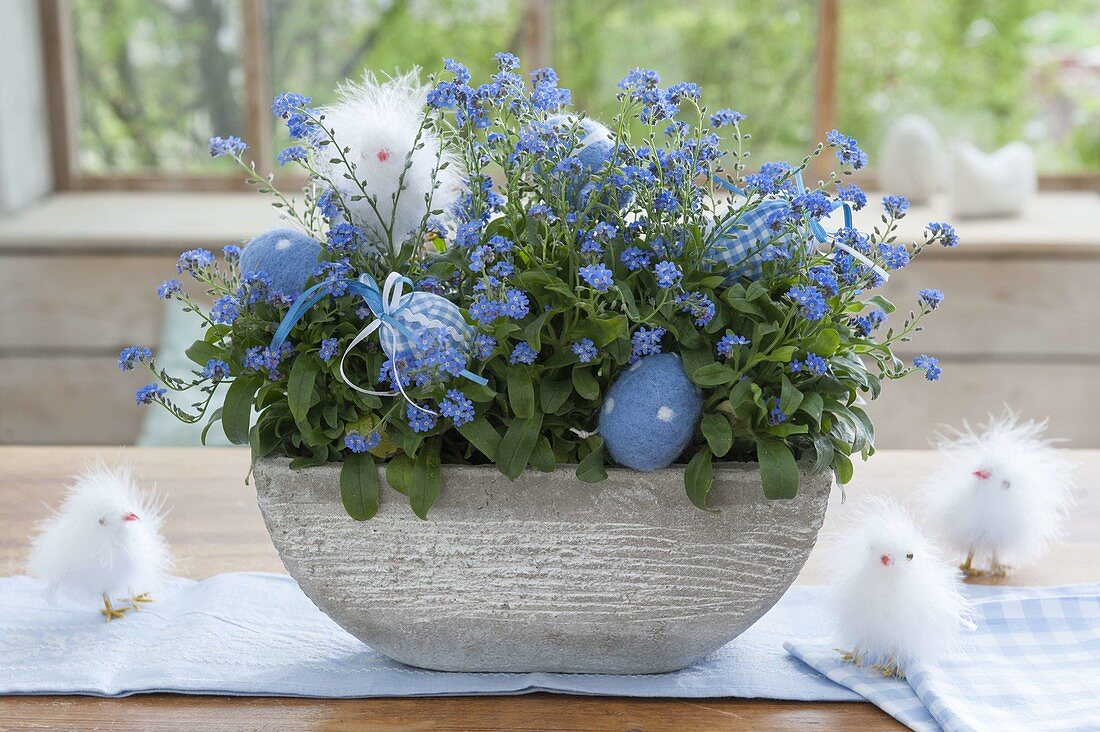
157,78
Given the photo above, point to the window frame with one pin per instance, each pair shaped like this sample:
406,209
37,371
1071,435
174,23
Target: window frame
59,51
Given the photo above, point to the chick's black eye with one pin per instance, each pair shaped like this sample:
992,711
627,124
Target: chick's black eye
909,556
102,522
1005,484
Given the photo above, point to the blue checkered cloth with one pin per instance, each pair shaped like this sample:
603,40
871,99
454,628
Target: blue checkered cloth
418,312
1033,663
742,249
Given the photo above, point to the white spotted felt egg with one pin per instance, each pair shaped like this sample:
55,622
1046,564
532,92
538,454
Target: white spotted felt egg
650,413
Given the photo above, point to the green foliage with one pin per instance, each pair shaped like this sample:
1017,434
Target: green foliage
783,381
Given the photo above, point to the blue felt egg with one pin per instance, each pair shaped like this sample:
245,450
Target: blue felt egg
287,256
650,413
595,147
742,249
417,312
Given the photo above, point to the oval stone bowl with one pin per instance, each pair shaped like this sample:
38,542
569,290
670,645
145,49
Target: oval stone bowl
546,573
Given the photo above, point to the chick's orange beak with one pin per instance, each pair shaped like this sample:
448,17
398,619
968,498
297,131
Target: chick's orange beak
983,474
886,560
130,517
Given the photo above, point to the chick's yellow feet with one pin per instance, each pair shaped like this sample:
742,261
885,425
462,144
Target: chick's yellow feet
138,600
852,656
110,611
968,567
889,669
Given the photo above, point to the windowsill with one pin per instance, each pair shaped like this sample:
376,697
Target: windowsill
121,222
114,223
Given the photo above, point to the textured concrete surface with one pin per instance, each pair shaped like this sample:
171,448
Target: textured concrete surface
546,573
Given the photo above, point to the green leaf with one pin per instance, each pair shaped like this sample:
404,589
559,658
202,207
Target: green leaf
781,354
698,478
301,394
603,330
823,447
696,358
789,397
778,469
542,459
217,415
564,290
742,305
427,479
591,468
881,303
200,352
842,468
481,435
521,392
585,383
714,375
317,456
825,343
629,305
478,393
533,333
864,421
553,393
756,290
237,409
718,432
399,473
264,437
517,444
359,486
812,405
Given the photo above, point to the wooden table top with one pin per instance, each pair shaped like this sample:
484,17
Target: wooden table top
215,526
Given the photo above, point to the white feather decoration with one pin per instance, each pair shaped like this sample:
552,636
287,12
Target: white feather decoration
1001,493
104,541
893,597
376,122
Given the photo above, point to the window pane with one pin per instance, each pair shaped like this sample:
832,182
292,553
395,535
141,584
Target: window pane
157,79
751,56
315,46
990,71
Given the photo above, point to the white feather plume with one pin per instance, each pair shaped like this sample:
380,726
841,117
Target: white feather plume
1002,491
376,122
893,597
104,538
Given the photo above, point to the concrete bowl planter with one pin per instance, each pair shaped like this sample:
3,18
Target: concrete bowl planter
546,573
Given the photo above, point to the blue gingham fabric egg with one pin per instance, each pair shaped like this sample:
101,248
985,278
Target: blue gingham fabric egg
742,249
419,312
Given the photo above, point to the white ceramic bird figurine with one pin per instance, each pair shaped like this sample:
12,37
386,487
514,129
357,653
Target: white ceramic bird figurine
378,125
893,598
104,541
1001,493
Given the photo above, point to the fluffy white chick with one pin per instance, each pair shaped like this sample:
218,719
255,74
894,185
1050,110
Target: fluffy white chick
893,597
104,541
1001,493
376,124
